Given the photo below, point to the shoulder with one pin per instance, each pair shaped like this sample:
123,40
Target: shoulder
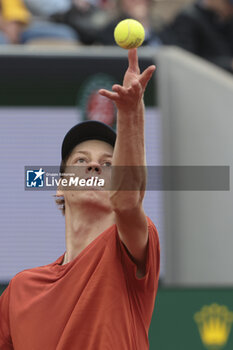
33,273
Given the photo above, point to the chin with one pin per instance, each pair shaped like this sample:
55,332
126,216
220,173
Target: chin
93,197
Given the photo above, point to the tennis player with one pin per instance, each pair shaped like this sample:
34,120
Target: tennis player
100,294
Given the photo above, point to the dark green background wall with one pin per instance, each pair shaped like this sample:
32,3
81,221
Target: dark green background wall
173,326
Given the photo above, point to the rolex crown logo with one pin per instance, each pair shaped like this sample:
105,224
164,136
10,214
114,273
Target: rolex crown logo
214,323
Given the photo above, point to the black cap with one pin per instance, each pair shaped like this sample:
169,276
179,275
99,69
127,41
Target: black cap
87,130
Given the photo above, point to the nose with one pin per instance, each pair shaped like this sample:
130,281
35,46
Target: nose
93,167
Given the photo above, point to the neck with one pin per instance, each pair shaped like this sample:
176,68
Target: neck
83,225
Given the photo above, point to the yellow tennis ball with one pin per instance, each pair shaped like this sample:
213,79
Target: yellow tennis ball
129,34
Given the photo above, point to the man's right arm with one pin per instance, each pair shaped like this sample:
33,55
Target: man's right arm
5,337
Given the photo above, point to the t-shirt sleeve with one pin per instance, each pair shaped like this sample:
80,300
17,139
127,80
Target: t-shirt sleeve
5,337
151,277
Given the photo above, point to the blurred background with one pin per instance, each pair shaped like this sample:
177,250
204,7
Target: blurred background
54,56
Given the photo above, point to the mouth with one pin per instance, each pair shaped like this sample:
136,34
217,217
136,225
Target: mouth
93,187
90,177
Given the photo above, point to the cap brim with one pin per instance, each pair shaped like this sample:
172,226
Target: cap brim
87,130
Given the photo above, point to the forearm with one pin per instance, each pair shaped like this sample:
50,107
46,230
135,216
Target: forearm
129,149
129,172
129,164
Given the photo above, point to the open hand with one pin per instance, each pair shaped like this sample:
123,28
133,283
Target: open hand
130,95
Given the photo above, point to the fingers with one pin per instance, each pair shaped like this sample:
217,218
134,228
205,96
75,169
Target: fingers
119,89
146,76
111,95
118,93
133,61
135,88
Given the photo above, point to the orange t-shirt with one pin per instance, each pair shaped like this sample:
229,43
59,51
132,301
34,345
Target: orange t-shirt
94,302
